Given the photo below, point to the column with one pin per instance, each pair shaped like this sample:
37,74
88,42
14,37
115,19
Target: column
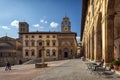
109,39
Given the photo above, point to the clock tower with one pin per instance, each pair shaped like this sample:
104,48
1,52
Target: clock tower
66,25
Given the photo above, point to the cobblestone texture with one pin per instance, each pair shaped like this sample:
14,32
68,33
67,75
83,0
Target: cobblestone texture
74,70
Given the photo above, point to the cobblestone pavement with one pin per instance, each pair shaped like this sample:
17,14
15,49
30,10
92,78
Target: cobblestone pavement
26,72
74,70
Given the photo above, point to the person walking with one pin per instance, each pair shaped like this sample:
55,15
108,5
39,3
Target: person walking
8,66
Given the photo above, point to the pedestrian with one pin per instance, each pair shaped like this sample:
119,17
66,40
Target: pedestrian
8,66
20,61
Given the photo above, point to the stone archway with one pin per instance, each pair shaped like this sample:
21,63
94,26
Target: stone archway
117,29
98,39
108,40
66,52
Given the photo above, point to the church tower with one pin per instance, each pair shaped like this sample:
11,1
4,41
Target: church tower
66,25
23,28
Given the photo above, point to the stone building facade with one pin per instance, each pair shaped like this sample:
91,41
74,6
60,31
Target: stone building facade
100,30
57,45
10,50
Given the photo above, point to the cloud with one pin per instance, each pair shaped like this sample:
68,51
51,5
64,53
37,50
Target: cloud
43,21
36,25
53,24
46,22
15,23
6,27
41,27
78,39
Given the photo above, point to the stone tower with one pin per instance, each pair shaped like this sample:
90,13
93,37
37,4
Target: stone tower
23,28
66,25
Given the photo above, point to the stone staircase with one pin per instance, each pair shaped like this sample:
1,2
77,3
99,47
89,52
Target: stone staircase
33,61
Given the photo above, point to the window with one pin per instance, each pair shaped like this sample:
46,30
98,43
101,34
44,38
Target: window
32,36
40,43
26,43
48,36
33,53
33,43
20,29
54,54
54,43
53,36
48,43
26,53
40,36
23,29
26,36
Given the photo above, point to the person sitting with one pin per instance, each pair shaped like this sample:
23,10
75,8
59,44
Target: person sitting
99,65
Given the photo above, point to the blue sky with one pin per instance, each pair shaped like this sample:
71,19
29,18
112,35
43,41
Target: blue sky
42,15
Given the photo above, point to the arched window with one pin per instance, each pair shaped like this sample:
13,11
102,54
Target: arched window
32,43
26,53
33,53
40,43
48,42
26,43
54,52
53,43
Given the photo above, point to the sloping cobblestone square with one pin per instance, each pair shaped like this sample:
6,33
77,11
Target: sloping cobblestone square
73,69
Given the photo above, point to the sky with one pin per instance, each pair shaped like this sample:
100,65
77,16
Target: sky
41,15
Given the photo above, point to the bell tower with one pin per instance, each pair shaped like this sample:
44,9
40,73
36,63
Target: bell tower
23,28
66,25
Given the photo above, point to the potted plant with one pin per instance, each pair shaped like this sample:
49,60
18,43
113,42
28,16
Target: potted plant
116,64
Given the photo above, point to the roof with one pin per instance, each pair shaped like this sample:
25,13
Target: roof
7,38
49,33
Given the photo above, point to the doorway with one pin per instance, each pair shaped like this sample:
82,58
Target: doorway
65,54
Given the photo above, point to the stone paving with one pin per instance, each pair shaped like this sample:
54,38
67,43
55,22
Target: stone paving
73,69
26,72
